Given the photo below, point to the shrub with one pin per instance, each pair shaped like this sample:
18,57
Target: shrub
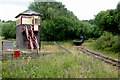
107,42
90,40
9,30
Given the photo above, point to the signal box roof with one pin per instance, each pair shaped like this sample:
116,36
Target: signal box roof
29,13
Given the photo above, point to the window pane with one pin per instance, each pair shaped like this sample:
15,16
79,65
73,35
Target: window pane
36,21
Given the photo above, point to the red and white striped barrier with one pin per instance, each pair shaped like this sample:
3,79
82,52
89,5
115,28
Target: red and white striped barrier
9,49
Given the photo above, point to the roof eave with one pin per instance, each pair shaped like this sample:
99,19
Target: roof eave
28,15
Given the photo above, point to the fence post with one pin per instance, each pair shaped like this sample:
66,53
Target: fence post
12,56
2,50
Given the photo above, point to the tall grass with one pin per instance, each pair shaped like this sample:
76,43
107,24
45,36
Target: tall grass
107,44
58,66
0,69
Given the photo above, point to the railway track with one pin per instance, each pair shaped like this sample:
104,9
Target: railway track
107,59
100,56
6,55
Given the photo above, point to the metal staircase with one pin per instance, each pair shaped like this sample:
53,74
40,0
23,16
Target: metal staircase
32,40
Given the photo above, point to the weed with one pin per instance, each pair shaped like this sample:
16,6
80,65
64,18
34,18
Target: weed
58,66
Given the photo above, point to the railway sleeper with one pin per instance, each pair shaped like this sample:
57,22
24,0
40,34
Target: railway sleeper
103,59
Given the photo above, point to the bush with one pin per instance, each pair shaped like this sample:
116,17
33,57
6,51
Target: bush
90,40
107,42
9,30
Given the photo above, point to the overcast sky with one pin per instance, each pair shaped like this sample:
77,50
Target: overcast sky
83,9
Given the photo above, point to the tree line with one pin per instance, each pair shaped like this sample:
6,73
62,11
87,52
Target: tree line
59,24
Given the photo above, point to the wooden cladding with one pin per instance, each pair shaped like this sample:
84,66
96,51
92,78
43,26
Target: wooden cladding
30,20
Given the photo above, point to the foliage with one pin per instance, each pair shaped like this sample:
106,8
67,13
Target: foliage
91,21
90,40
9,30
58,23
89,30
58,66
108,42
109,20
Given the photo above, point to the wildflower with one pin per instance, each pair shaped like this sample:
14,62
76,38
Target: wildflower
21,66
9,71
11,66
30,75
58,67
29,68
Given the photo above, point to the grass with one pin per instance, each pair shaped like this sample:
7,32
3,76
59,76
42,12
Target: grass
58,66
0,45
9,39
0,69
50,48
90,45
77,65
67,41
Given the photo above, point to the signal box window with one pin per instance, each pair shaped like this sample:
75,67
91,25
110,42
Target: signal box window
36,21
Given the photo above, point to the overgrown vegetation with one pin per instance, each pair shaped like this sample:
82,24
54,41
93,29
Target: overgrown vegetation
58,66
108,21
108,42
91,46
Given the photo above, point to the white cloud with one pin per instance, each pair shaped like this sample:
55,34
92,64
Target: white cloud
86,9
11,8
16,2
83,9
10,11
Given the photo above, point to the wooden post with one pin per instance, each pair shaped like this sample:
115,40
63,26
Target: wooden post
2,50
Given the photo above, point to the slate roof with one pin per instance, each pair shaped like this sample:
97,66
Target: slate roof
29,12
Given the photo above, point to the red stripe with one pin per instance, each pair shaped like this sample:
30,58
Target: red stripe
33,23
9,49
21,19
38,27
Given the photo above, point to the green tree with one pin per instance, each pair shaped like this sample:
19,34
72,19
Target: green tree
9,30
58,23
109,20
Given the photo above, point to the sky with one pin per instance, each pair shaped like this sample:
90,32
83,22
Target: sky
83,9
